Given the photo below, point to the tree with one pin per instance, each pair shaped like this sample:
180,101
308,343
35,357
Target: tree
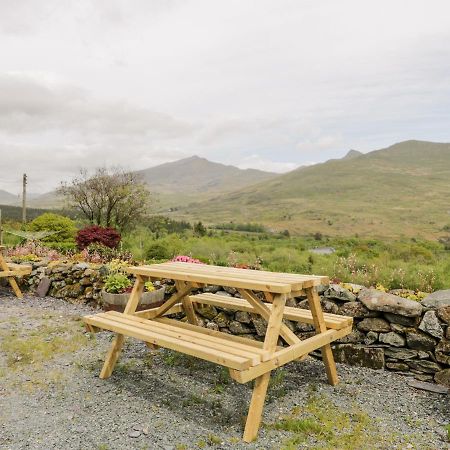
108,198
199,229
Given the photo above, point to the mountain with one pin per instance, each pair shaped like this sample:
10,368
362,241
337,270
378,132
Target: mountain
352,154
195,178
6,198
49,200
400,190
177,183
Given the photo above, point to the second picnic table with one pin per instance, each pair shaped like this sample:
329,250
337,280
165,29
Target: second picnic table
246,359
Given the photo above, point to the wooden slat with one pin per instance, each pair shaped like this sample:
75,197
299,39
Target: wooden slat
20,267
243,274
296,314
258,345
289,354
12,273
222,358
250,272
148,313
298,281
189,335
222,280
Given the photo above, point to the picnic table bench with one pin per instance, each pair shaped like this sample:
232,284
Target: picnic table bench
246,359
10,270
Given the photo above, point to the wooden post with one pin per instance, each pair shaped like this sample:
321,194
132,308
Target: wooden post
261,383
24,198
1,228
320,326
117,343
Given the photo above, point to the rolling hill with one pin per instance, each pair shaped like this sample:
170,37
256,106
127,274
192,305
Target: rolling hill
197,178
175,183
7,198
400,190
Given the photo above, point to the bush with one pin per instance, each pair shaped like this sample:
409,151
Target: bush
158,251
94,234
63,226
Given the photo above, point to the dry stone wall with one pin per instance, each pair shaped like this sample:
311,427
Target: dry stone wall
390,332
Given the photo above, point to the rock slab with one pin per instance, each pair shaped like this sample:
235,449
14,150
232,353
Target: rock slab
382,301
437,299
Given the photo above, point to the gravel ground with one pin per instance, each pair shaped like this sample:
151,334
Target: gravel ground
161,400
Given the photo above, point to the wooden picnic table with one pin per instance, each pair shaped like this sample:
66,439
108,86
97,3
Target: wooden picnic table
246,359
11,270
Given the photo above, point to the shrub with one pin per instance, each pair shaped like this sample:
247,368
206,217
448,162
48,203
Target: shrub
158,251
63,226
95,234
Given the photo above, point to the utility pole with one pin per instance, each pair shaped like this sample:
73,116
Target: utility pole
24,199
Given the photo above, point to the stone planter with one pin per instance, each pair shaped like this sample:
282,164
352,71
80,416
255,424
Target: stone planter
117,302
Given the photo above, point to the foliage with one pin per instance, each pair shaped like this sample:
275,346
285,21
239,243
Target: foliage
64,226
418,265
14,213
199,229
251,227
98,253
162,224
108,198
94,234
149,287
32,251
117,283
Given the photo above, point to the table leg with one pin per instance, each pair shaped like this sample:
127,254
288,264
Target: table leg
117,343
187,304
261,383
319,324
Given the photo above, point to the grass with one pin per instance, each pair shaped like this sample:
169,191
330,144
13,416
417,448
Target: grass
320,424
40,344
420,265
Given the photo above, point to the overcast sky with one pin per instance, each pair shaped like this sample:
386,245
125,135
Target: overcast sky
254,83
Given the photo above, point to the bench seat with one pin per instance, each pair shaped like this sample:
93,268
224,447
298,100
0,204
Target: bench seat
15,270
333,321
227,350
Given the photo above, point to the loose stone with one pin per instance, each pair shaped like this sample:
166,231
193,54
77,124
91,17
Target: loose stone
430,324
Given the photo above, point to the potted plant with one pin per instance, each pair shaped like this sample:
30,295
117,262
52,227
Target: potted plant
117,288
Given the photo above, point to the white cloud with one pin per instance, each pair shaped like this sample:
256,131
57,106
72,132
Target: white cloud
139,82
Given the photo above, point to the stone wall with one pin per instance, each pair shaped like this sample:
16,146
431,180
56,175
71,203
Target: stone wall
390,332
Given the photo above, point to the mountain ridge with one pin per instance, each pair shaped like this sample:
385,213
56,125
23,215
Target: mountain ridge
399,190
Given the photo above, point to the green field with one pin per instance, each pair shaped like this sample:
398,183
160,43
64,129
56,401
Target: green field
407,263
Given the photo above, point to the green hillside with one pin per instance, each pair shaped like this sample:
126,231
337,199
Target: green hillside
401,190
194,178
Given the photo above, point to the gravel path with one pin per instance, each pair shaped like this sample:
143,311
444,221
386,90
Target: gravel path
51,396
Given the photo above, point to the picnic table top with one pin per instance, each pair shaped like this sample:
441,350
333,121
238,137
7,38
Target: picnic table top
274,282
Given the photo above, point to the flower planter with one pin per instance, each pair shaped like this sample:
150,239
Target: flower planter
117,302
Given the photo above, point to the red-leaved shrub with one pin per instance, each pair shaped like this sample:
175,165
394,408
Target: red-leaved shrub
95,234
